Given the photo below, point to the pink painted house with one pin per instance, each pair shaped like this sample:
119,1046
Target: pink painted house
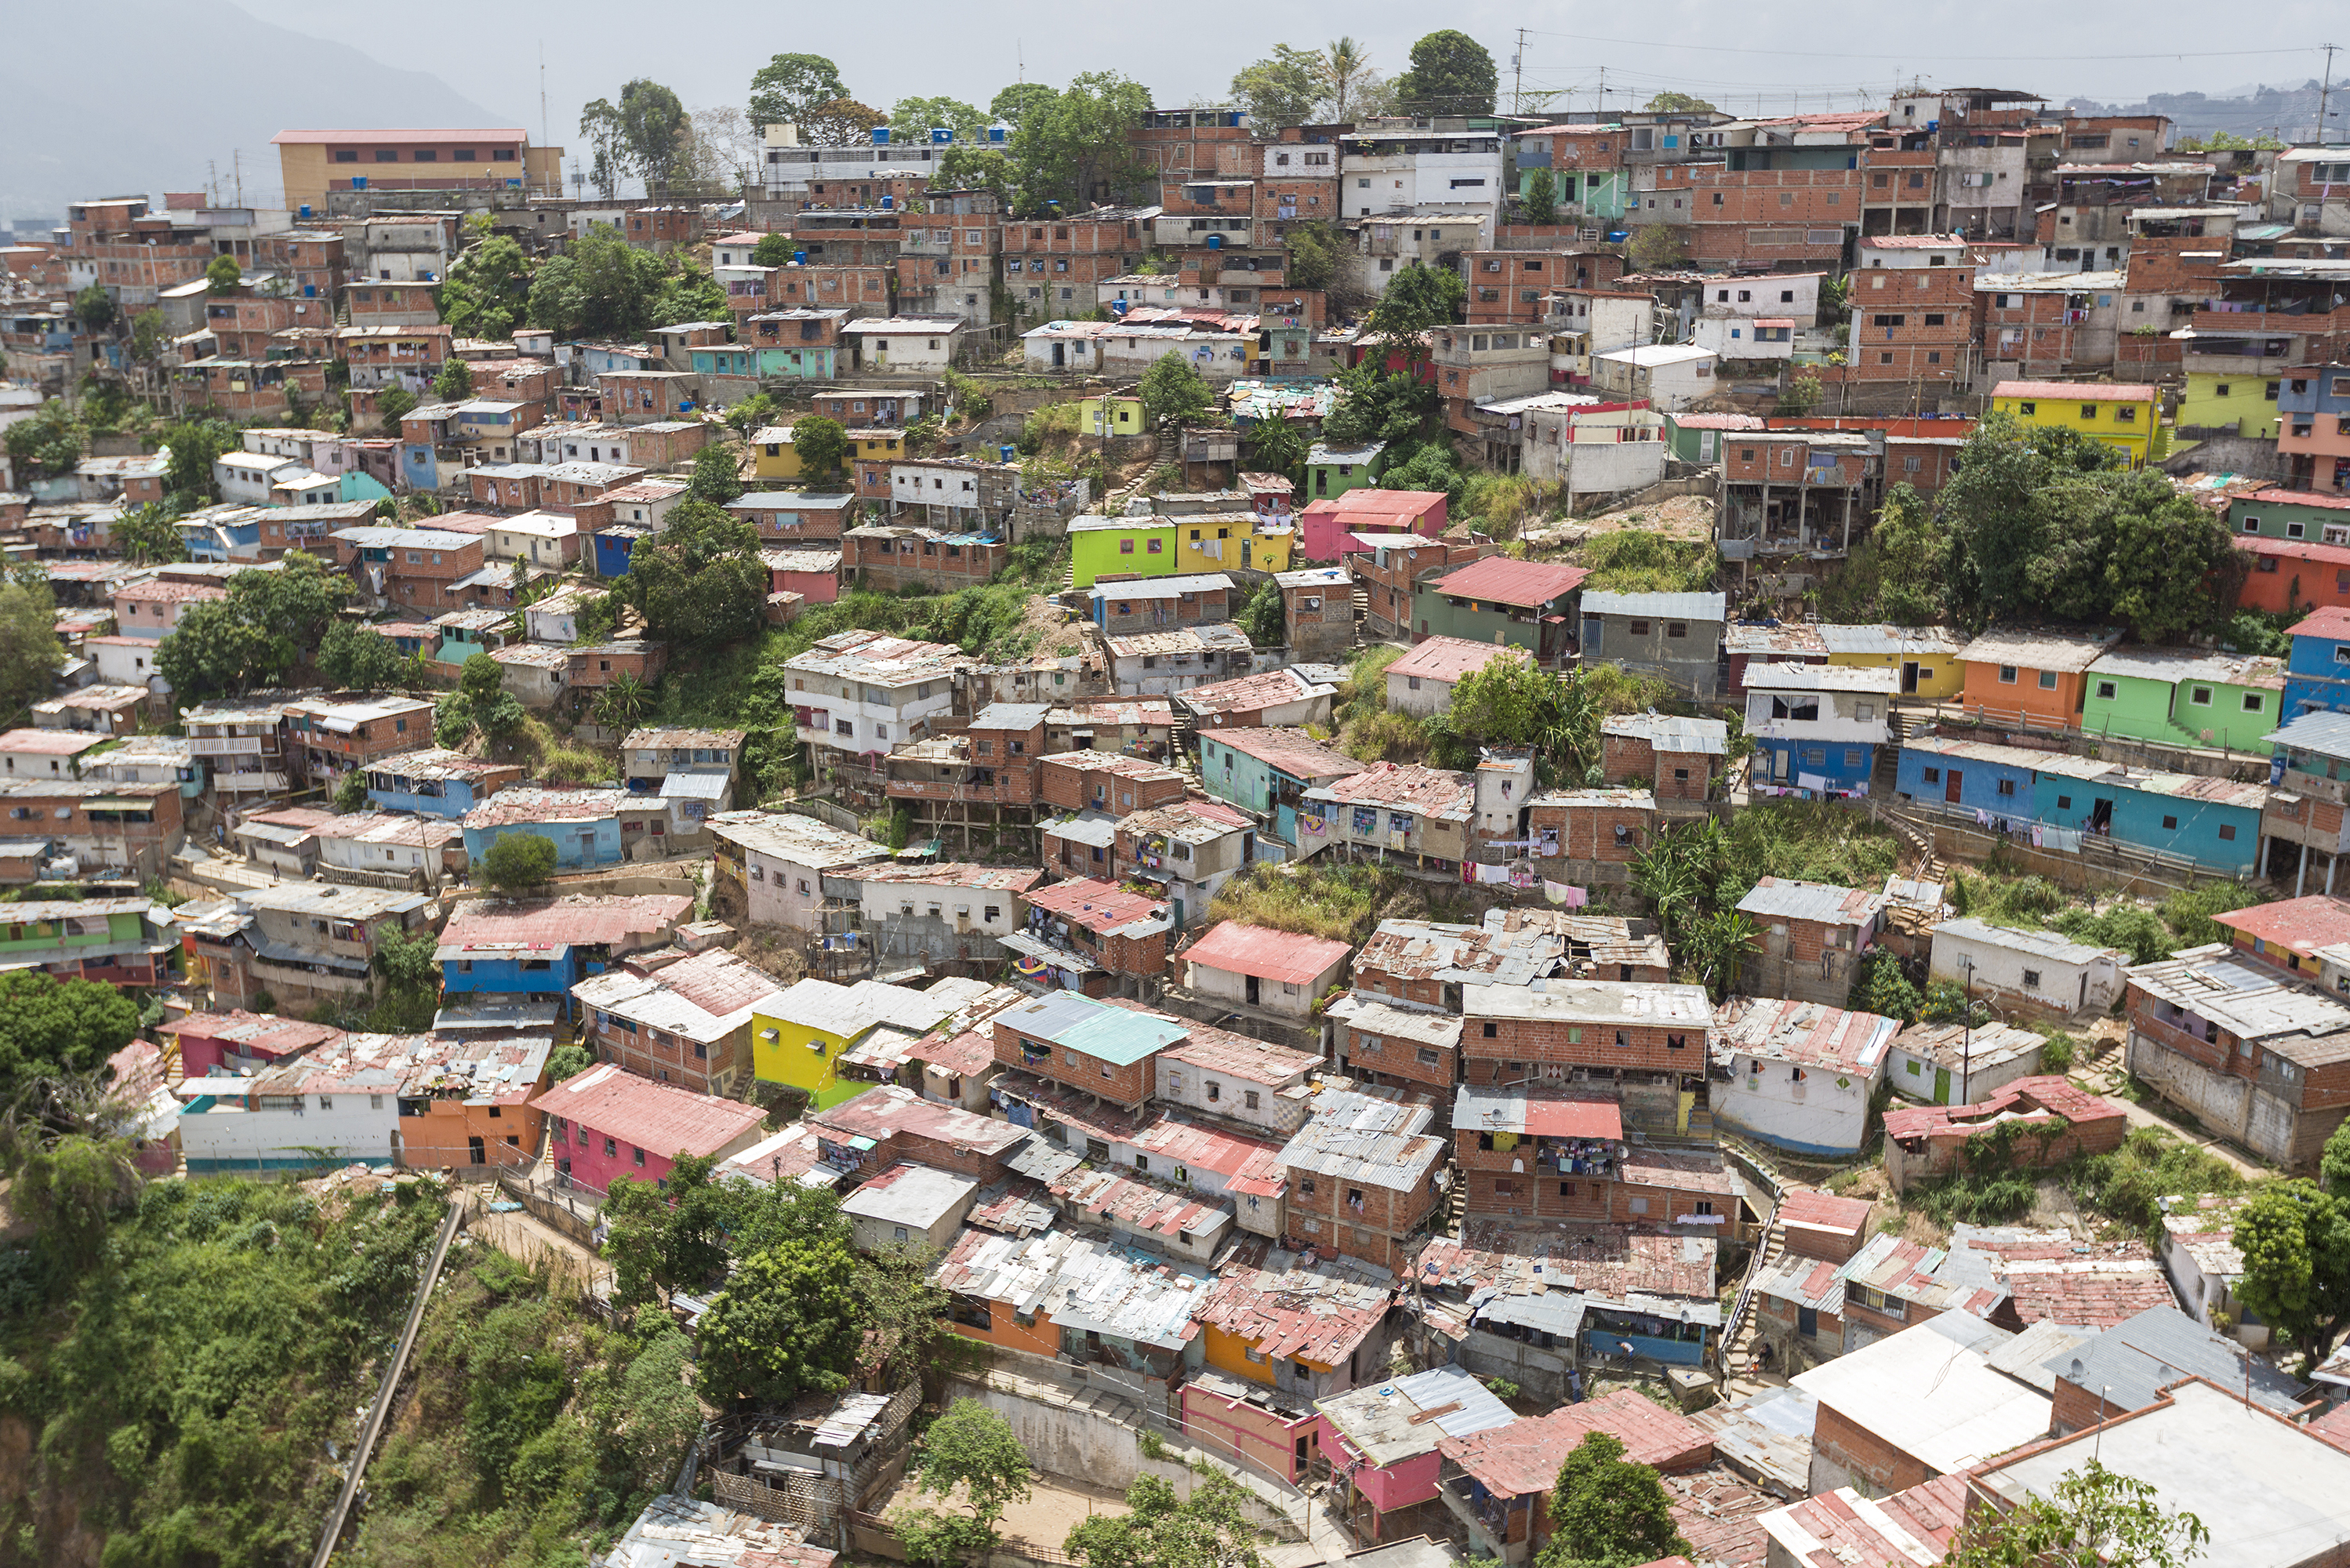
1328,526
813,572
1382,1438
606,1123
212,1043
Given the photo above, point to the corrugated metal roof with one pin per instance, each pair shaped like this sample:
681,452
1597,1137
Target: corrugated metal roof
1303,1306
1658,606
1807,1035
1774,898
1366,1135
1394,1420
1078,1282
1283,956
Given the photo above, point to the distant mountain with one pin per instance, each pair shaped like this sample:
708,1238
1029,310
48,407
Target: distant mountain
2288,113
137,97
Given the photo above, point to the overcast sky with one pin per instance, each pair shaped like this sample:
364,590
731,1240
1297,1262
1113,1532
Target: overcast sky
1834,53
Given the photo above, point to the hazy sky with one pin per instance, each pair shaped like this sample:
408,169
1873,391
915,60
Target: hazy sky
1833,53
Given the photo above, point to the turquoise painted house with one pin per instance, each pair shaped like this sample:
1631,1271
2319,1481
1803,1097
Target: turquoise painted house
2184,697
1268,772
590,828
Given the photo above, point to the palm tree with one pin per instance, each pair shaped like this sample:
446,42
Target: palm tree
623,703
1343,61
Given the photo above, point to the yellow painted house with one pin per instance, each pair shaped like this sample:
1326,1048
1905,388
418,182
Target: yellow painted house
798,1036
771,454
2126,418
877,442
2244,401
1929,658
1125,416
1177,547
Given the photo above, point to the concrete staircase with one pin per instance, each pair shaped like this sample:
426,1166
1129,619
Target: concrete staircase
1738,1355
1456,1203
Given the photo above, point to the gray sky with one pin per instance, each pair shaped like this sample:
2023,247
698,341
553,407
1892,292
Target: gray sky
917,46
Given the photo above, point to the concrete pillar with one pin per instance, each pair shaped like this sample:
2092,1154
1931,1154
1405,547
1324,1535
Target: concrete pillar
2332,861
2301,871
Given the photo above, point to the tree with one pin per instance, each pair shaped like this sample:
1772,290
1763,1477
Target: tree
1261,617
1416,299
1654,248
599,122
1542,197
1172,390
666,1238
787,1324
624,703
717,475
789,85
1283,88
195,445
567,1061
269,624
598,285
1207,1530
1016,102
1075,150
2096,1519
1679,103
1314,246
52,1029
1429,466
2333,1165
701,580
2295,1239
30,652
1878,986
48,444
751,414
350,793
516,862
1609,1511
354,659
223,276
725,146
821,445
1450,74
774,250
149,335
1379,405
145,538
404,960
973,1447
842,122
688,293
96,307
1345,64
455,384
919,116
392,405
1275,445
488,290
652,129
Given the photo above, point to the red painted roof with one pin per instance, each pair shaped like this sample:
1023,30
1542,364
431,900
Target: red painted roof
1380,503
1248,1165
1523,1458
2054,1094
2301,498
660,1119
1451,658
2332,621
2075,391
1824,1212
2295,550
2299,925
566,922
1096,905
56,742
1299,1306
1283,956
1505,580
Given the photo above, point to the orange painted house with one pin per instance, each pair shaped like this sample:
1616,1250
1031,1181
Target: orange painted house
1112,1310
2032,678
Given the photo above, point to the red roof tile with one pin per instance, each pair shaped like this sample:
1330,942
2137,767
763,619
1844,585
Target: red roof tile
660,1119
1284,956
1507,580
1523,1458
2300,925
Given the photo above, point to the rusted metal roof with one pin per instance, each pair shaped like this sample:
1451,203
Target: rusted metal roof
1302,1306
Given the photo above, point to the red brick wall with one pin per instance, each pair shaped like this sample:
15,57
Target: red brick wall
1590,832
1885,1468
1936,306
829,285
1396,1061
1376,1234
1764,200
1127,1086
1531,1043
1071,788
1499,280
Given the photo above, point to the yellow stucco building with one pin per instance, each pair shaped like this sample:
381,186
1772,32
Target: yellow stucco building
1926,657
2126,418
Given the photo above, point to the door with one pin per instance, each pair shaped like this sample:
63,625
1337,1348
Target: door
2083,1000
1252,990
1941,1086
1950,785
1060,355
1910,678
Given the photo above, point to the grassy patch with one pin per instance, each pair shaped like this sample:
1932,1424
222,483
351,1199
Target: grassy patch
1631,562
1338,902
1808,841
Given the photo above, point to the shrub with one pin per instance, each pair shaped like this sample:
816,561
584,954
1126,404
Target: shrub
518,860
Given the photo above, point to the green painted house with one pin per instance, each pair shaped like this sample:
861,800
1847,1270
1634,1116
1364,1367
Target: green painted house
1268,772
2184,697
1531,605
1697,438
1332,471
107,939
2291,514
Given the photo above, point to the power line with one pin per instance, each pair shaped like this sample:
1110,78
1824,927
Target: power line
2013,56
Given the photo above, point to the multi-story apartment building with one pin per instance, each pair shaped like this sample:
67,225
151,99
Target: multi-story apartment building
857,695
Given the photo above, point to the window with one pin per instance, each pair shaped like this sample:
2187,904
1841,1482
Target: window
2199,695
2048,681
2252,701
1931,775
2007,675
2106,690
1493,1032
2169,823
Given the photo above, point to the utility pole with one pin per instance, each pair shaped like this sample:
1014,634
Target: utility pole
2325,93
1518,75
236,164
545,136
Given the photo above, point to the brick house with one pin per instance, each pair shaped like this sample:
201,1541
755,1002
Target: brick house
409,568
1594,833
1498,1482
2057,1122
606,1123
892,558
1675,757
1113,940
1361,1174
1647,1043
1124,606
1106,781
1923,1403
1085,1044
1317,613
98,824
1812,935
1387,569
688,1023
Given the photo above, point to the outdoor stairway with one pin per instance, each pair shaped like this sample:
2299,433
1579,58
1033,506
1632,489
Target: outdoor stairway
1362,603
1186,741
1739,1356
1456,1203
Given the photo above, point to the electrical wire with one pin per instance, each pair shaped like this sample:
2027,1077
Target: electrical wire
2019,56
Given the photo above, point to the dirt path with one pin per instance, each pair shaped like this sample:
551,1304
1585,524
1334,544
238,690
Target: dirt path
528,1240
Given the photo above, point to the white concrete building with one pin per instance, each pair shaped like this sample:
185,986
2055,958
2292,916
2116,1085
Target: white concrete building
903,345
1668,377
1800,1074
1952,1064
1583,322
246,478
1417,171
860,693
771,866
2040,972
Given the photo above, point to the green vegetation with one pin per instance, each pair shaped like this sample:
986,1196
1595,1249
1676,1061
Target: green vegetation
1261,617
455,384
1609,1511
701,580
2033,903
516,862
270,623
1206,1530
971,1448
29,650
2295,1240
717,476
2095,1519
1632,561
1172,390
1343,903
1695,875
820,444
1452,73
1542,197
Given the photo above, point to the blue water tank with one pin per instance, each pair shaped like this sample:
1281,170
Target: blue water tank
941,135
1004,454
888,202
358,181
999,134
310,291
1215,241
799,258
306,209
880,136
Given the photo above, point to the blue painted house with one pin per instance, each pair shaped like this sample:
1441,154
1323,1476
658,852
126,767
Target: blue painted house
1268,772
220,533
2317,675
434,782
1816,727
2213,822
540,949
613,547
588,827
